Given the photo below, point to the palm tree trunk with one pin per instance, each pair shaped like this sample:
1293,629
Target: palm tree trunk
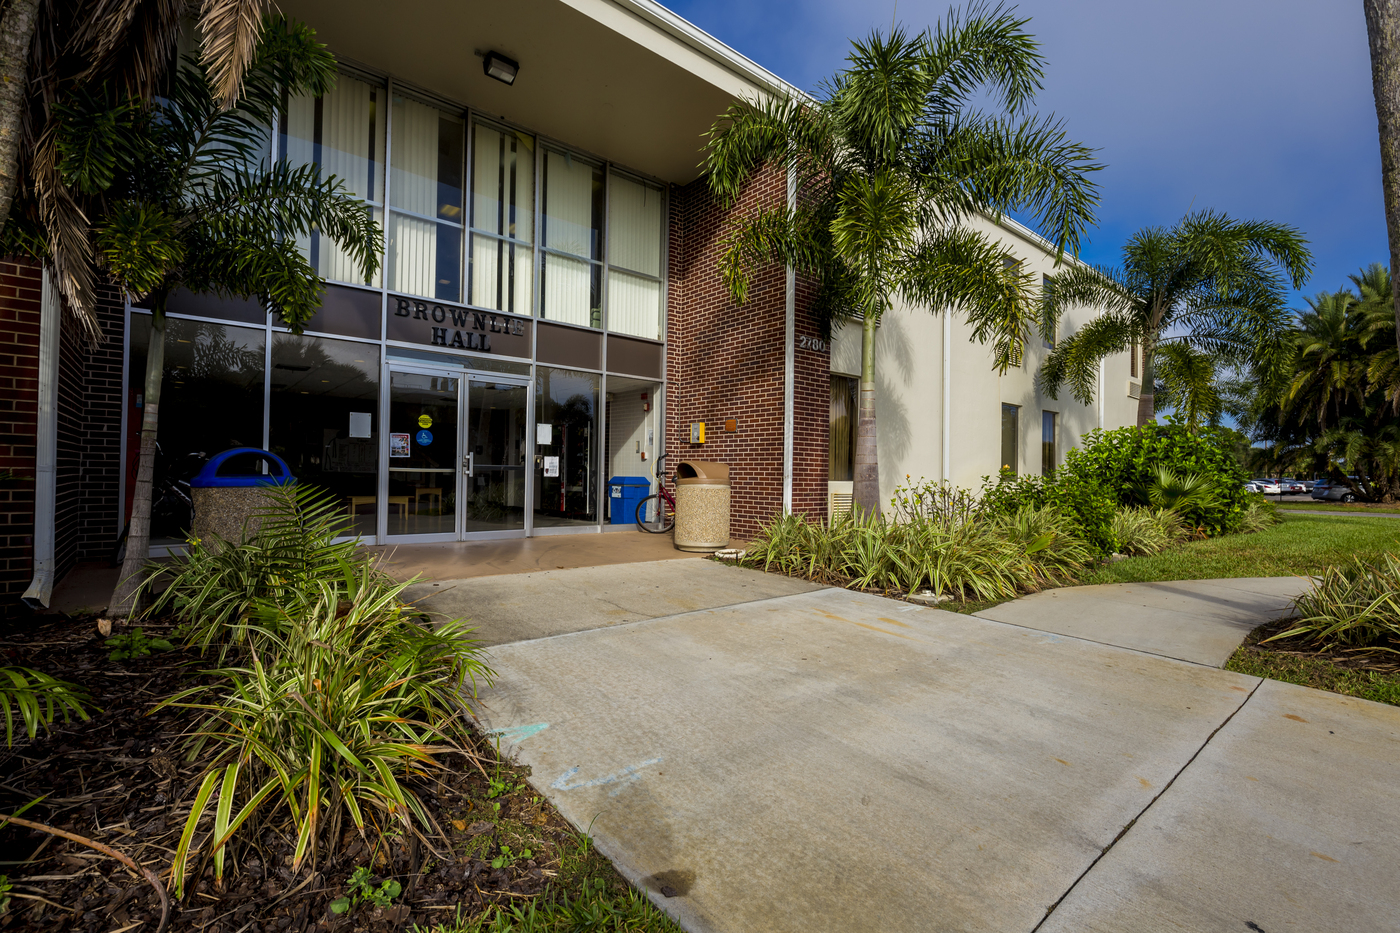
16,36
865,490
1147,395
1383,30
138,539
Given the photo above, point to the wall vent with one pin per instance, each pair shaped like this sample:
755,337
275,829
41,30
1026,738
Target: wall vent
840,504
1134,388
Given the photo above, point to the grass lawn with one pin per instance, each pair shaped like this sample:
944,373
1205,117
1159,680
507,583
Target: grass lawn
1316,672
1355,507
1300,545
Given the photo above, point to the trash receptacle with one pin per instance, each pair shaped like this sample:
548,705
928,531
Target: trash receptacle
702,506
624,492
231,489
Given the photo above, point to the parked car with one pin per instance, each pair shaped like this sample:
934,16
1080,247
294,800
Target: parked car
1326,491
1293,487
1269,487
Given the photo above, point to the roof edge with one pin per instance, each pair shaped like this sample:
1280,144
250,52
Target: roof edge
697,39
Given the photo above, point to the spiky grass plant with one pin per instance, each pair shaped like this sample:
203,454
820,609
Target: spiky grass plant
1141,532
1259,514
948,551
37,699
303,540
345,702
1353,605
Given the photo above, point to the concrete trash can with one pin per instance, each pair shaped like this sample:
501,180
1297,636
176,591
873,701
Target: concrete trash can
624,492
702,506
231,489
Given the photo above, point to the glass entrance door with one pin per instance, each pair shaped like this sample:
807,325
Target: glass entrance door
424,458
494,496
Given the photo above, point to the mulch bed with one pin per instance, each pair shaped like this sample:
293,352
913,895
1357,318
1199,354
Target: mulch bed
120,779
1381,658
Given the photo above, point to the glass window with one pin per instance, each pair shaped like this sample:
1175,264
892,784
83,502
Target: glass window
426,224
211,400
1010,430
343,133
634,258
324,418
566,426
1048,427
502,221
573,235
843,429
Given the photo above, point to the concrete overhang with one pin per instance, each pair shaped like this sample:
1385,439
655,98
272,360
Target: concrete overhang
626,80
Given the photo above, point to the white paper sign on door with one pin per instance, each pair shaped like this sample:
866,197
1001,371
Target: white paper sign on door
544,433
551,466
359,424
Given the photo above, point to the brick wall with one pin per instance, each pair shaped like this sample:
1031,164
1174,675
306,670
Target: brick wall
725,361
89,436
20,284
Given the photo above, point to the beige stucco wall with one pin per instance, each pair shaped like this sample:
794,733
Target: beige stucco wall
909,407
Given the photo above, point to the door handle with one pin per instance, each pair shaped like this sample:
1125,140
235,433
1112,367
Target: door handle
469,464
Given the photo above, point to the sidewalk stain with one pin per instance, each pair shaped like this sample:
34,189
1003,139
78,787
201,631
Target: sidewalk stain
621,778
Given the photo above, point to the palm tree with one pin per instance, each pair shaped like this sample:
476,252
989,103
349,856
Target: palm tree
1336,411
891,164
178,197
48,49
1212,284
1383,32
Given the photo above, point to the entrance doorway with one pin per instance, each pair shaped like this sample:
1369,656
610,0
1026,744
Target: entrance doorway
457,456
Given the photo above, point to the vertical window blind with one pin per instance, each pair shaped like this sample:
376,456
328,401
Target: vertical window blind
425,225
573,233
343,133
634,258
503,206
482,252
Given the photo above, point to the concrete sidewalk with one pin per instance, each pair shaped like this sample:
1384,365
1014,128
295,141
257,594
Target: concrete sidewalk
1202,621
834,761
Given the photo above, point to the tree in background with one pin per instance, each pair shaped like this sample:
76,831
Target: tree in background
1206,293
1336,412
50,49
892,163
1383,31
177,194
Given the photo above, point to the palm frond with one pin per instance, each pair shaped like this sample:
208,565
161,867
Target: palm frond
230,30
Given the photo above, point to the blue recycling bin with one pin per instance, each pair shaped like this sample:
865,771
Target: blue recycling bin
624,492
231,490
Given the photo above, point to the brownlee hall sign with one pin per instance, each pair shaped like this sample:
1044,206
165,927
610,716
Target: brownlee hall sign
443,325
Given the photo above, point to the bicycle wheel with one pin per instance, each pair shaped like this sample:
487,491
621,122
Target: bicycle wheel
654,505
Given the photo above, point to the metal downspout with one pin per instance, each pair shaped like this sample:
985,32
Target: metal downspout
46,449
947,395
789,358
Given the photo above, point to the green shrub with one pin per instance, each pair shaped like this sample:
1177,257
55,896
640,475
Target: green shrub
1353,605
344,698
1088,504
1050,541
1126,460
1141,531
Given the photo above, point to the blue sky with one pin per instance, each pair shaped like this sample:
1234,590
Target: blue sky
1259,108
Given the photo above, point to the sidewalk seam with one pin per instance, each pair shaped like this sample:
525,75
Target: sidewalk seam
1049,911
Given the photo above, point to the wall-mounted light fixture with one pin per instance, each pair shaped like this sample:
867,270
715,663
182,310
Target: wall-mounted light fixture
499,67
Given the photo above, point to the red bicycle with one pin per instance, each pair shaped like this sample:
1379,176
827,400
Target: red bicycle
656,514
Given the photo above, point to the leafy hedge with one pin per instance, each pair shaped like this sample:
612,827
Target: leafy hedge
1125,461
1084,501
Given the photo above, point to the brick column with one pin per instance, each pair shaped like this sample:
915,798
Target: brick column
725,361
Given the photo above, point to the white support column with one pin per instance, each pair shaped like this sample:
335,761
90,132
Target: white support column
789,358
